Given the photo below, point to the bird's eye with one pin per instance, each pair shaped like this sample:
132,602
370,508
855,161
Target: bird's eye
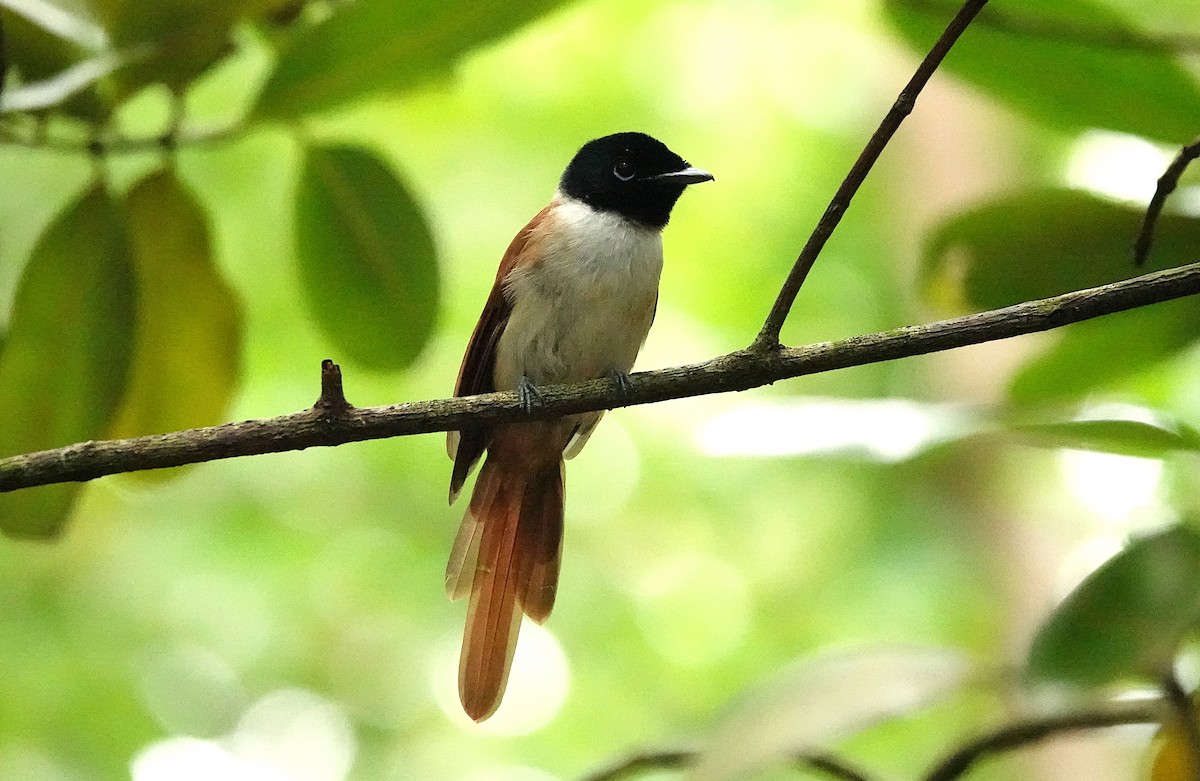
623,170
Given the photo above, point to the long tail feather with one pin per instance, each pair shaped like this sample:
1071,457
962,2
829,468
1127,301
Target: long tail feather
506,556
493,621
464,556
540,536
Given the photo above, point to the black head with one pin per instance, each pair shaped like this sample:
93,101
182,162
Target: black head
631,174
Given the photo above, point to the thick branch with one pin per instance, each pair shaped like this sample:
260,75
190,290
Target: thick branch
768,337
328,425
1026,733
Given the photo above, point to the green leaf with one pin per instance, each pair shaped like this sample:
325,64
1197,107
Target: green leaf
1041,243
1127,620
1047,242
1060,79
65,362
1123,437
186,363
180,39
367,258
1099,353
380,45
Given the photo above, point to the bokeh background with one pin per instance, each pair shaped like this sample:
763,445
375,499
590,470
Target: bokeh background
283,617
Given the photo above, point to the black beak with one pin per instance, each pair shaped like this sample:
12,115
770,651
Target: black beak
688,175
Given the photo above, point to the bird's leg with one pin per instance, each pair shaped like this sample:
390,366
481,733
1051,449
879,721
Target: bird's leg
622,381
531,397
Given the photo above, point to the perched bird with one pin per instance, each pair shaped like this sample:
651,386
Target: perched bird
573,300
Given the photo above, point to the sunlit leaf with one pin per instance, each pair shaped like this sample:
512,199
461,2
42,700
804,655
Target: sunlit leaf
822,699
1125,621
1058,78
367,258
61,21
55,90
1043,243
185,366
40,56
1124,437
379,45
1161,19
65,362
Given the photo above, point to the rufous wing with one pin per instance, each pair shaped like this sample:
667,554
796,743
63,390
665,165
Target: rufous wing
476,373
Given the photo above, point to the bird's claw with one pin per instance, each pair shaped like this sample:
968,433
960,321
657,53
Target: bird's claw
531,397
623,382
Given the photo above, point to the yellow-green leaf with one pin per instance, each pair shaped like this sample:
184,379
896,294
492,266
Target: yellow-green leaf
367,258
66,358
185,366
1173,758
1124,437
1045,242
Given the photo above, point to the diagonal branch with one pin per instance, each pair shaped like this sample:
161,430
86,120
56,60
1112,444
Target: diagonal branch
328,424
1166,185
1006,738
768,337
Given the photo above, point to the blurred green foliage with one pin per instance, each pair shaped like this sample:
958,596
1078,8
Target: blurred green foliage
188,348
366,257
1126,621
339,180
61,385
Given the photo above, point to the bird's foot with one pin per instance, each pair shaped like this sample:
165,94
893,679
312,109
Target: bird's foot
531,397
623,382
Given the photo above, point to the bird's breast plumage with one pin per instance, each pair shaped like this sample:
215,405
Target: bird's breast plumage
583,305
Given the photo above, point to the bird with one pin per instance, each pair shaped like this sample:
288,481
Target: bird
573,300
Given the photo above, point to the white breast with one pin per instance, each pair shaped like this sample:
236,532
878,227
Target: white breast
586,308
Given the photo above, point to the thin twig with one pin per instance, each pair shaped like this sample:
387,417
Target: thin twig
3,57
1025,733
735,371
1166,185
115,145
332,399
1123,38
663,759
649,761
768,337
